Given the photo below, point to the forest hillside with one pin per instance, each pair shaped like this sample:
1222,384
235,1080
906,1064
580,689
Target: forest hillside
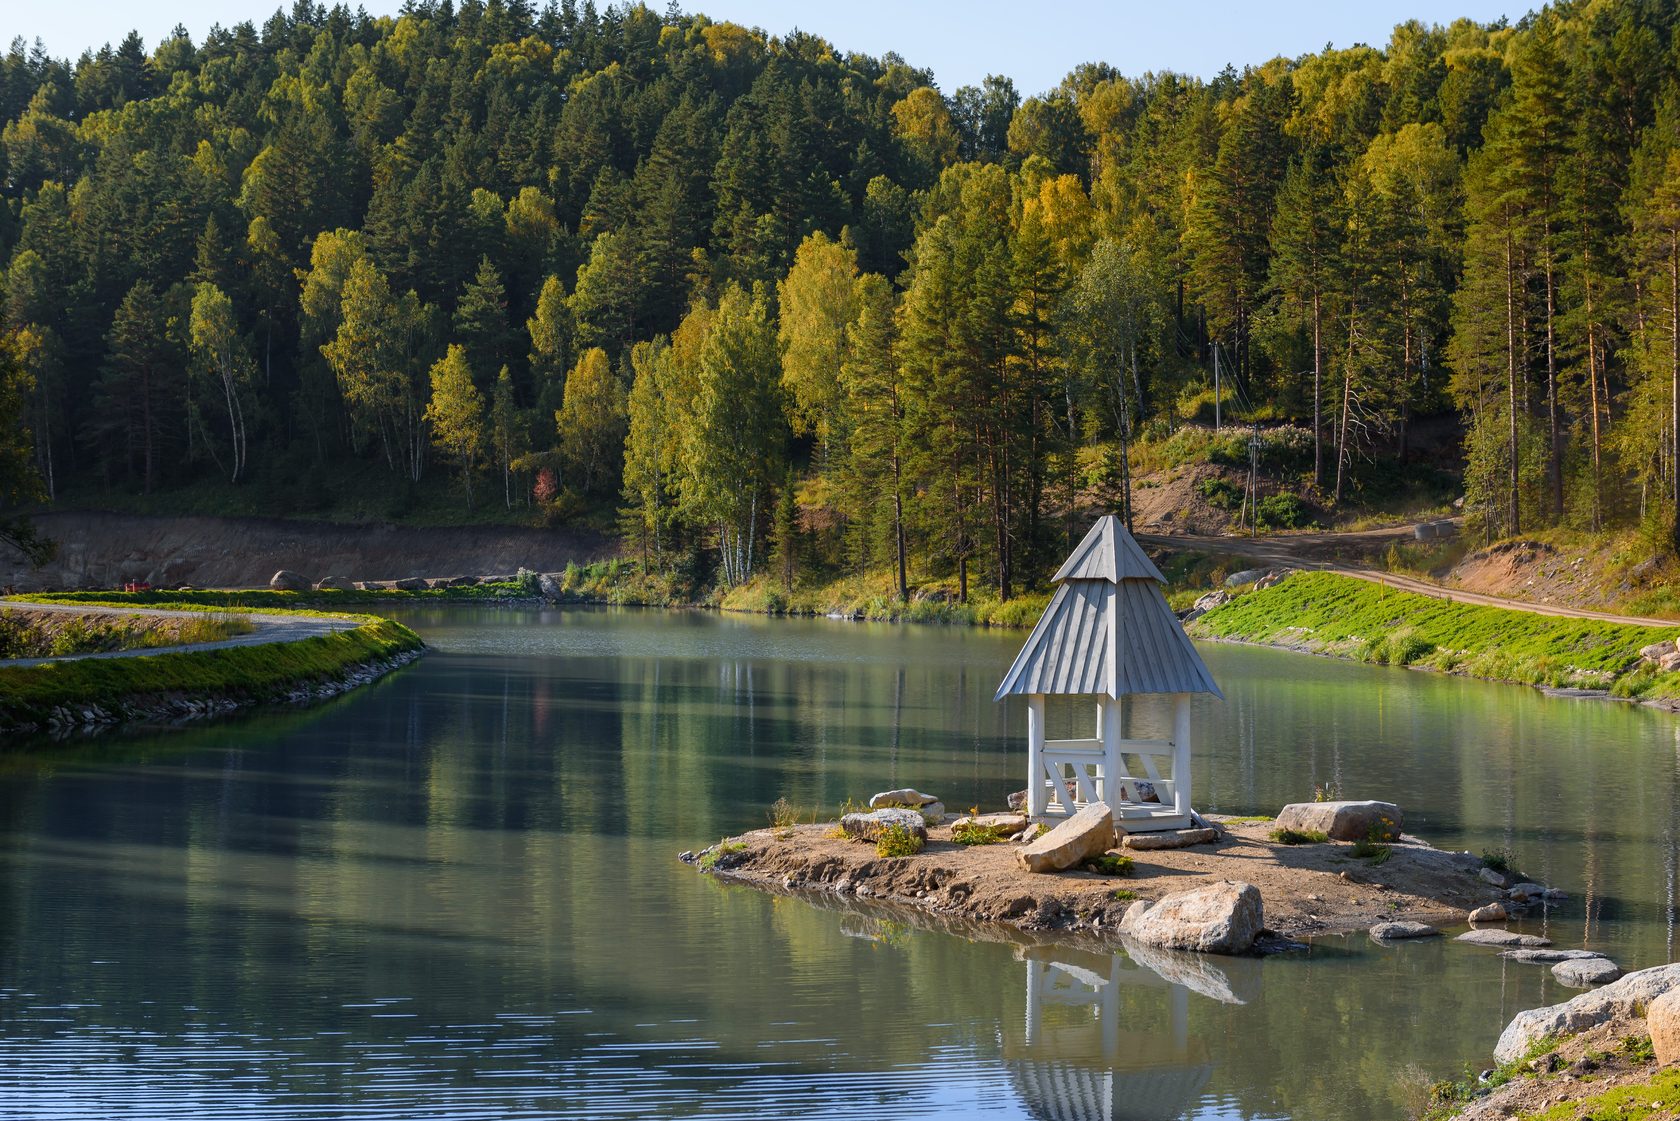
756,303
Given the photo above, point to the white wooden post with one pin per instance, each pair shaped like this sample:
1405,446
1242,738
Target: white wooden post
1181,754
1037,795
1108,731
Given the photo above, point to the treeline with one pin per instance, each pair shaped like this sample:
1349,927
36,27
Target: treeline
771,298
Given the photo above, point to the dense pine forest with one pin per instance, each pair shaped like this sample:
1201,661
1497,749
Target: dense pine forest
753,301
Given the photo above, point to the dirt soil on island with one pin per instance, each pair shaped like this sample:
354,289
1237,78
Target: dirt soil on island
1307,889
102,550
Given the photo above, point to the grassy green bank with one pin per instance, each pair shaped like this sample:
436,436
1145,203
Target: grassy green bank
1341,616
145,685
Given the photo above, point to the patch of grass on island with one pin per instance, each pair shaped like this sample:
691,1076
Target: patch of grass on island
1347,617
28,693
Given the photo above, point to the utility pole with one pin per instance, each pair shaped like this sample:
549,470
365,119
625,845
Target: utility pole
1254,480
1216,387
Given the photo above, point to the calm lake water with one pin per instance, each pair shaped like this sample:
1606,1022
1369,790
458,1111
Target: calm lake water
455,894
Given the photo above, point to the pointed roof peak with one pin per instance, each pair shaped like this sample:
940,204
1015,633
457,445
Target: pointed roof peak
1109,553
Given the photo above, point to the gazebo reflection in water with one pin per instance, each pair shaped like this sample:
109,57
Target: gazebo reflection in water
1107,1035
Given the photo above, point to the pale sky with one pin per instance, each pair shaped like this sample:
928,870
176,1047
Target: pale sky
1035,43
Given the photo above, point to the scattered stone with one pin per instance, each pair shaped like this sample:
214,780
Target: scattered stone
461,581
1626,997
1522,893
993,825
1503,938
1656,650
1391,931
372,586
1668,663
1088,833
1222,918
1548,957
1497,879
1018,800
869,826
1246,576
687,856
1493,912
1579,973
1272,578
1168,839
334,584
933,812
288,581
549,588
1342,821
905,796
412,584
1216,598
1663,1019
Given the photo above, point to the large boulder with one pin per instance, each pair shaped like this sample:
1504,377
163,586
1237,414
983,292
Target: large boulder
335,584
1000,826
1578,973
907,796
1548,957
1663,1019
1391,931
1086,834
288,581
870,826
1018,800
1493,912
549,588
1216,598
1221,918
1169,839
1503,938
1343,821
1621,998
412,584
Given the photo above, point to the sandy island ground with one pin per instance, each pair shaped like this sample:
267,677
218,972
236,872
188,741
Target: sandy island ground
1307,889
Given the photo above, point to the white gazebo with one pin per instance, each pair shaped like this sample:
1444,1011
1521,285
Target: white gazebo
1107,634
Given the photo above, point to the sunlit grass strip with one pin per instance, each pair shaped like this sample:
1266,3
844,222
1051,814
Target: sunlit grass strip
27,693
1367,622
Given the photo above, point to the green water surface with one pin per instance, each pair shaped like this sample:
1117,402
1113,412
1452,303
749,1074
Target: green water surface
454,894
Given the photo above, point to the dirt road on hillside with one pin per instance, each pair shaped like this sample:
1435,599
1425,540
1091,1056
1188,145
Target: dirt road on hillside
1349,554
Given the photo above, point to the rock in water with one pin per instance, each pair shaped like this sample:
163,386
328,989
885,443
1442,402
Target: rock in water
1503,938
1522,893
1222,918
1579,973
1663,1018
1548,957
1388,931
1343,821
905,796
1001,826
288,581
1619,998
869,826
1088,833
1493,912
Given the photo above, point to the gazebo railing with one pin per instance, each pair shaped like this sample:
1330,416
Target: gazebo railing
1084,765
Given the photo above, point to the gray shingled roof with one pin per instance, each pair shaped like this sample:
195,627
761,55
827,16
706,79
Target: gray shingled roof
1072,650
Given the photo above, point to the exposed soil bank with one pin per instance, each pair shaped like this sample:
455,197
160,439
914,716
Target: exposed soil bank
101,550
1307,889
